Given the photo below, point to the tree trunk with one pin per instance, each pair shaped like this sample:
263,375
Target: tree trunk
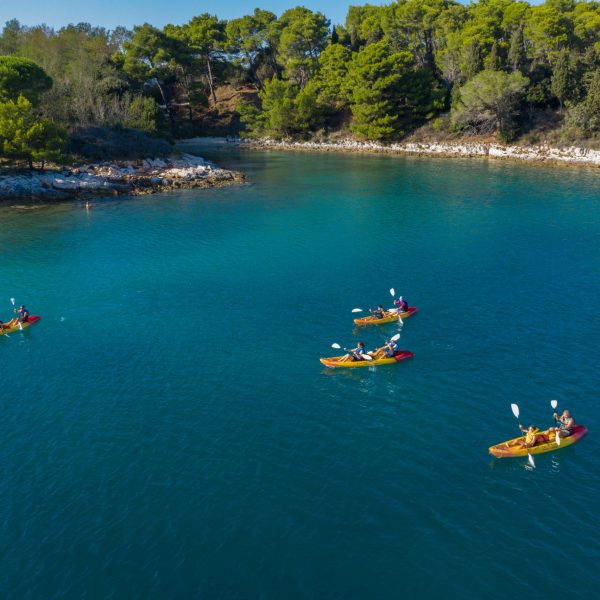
162,95
210,80
30,161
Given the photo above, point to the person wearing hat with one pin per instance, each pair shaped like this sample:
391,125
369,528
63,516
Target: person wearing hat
402,305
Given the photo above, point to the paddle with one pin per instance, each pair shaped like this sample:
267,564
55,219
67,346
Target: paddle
392,294
12,301
357,310
554,404
392,339
338,347
515,409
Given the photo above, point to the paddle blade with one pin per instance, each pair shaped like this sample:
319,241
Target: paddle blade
554,404
336,346
515,409
20,326
357,310
395,337
12,300
557,438
531,461
367,356
392,292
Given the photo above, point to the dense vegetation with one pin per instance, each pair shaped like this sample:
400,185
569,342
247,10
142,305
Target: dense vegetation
494,67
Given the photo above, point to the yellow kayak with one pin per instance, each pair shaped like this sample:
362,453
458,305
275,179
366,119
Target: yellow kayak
514,447
337,362
389,317
6,328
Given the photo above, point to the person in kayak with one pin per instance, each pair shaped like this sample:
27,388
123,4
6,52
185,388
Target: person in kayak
532,436
391,348
402,305
23,315
378,313
355,354
566,424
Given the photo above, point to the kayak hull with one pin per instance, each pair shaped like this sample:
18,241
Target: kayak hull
513,449
14,328
390,317
335,362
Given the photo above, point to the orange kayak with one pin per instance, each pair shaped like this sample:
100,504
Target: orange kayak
514,448
390,317
337,362
15,327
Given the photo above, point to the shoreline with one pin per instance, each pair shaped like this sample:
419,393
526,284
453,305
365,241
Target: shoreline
116,178
532,154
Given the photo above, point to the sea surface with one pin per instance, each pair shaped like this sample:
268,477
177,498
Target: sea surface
167,430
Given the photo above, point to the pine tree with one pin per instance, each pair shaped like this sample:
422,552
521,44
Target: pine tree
561,81
517,57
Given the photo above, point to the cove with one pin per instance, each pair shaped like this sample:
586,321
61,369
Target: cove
168,430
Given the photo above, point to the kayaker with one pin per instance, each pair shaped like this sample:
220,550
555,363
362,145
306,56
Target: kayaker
391,348
23,313
355,353
402,304
531,436
378,313
565,429
388,349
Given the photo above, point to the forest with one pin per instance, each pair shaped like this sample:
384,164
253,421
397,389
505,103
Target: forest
498,69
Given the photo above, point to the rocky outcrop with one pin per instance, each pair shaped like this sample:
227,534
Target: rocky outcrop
541,153
124,177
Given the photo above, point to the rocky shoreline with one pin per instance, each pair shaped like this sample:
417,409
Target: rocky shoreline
539,153
116,178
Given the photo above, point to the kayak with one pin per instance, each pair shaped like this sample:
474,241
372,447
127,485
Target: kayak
513,448
389,317
336,361
13,328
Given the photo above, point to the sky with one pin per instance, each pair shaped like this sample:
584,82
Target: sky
111,13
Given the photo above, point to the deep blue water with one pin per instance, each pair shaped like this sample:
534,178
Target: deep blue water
168,431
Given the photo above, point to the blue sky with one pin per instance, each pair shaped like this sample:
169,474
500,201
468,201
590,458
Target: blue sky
110,13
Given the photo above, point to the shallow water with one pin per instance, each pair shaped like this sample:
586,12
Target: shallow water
167,430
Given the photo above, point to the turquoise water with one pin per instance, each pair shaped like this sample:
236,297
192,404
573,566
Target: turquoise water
168,432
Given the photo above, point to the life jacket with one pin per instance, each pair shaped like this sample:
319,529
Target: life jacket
531,436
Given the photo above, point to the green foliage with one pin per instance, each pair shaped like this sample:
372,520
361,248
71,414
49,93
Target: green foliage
333,70
144,114
490,102
248,40
278,106
302,37
27,137
375,80
252,118
21,76
562,80
392,66
586,114
517,56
